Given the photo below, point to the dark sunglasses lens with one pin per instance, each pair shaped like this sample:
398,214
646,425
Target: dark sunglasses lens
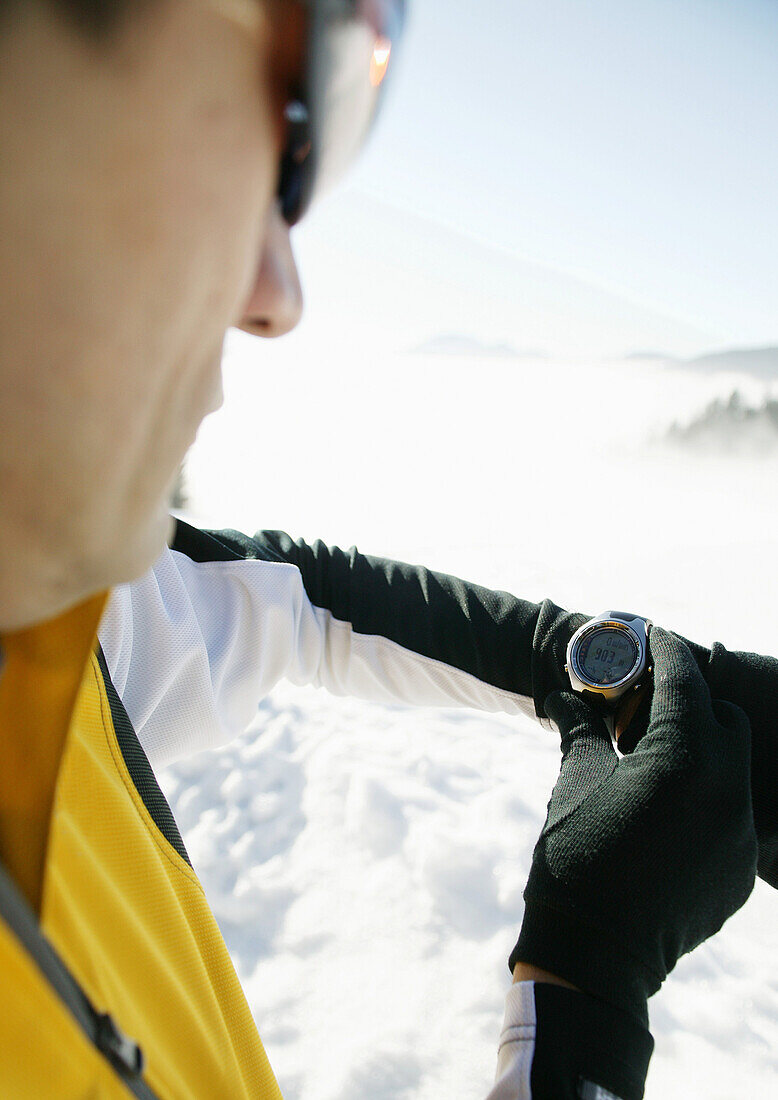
349,58
296,163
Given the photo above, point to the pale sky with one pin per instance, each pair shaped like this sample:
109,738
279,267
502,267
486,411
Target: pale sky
633,145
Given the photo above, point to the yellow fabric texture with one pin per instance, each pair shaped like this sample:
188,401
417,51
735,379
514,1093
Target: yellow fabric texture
45,1054
130,919
41,673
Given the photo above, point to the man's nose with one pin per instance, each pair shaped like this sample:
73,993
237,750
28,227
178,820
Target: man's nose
275,304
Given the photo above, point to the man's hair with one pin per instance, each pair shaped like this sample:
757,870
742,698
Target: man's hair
96,19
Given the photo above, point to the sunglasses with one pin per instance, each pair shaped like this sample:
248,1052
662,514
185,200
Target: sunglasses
349,47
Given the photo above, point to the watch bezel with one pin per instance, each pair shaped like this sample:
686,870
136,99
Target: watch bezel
593,628
581,682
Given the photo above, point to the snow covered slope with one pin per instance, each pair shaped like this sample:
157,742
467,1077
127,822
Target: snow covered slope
366,863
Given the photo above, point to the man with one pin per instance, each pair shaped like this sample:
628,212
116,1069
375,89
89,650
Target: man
155,153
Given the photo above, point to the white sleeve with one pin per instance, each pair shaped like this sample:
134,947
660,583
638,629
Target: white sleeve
517,1045
193,647
557,1042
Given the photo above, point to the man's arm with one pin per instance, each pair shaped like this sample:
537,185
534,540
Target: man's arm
507,644
224,616
557,1041
560,1044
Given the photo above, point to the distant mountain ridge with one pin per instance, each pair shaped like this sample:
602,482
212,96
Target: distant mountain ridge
457,344
759,362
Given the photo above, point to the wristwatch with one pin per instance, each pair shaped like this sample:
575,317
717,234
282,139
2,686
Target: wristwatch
608,657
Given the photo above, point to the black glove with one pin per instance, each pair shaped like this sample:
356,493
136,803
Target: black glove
748,680
644,857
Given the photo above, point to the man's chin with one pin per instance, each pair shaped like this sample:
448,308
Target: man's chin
157,534
170,533
166,534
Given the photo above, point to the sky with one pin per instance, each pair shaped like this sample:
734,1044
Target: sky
609,170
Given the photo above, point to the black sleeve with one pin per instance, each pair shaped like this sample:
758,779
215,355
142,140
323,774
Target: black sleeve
508,643
751,682
586,1049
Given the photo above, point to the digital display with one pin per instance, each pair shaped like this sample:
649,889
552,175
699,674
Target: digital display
607,656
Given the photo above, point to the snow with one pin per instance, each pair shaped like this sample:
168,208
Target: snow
366,863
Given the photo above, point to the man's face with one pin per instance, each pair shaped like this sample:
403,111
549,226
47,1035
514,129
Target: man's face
137,223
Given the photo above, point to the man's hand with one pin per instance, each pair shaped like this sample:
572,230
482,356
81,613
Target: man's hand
641,858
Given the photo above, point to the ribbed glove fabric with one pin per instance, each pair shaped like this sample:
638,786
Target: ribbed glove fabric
643,857
749,680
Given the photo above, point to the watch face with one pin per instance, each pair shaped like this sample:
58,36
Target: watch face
607,655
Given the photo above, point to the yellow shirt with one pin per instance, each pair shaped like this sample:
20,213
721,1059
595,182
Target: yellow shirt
117,898
39,682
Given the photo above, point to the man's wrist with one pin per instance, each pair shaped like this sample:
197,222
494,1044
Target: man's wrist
560,943
526,972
